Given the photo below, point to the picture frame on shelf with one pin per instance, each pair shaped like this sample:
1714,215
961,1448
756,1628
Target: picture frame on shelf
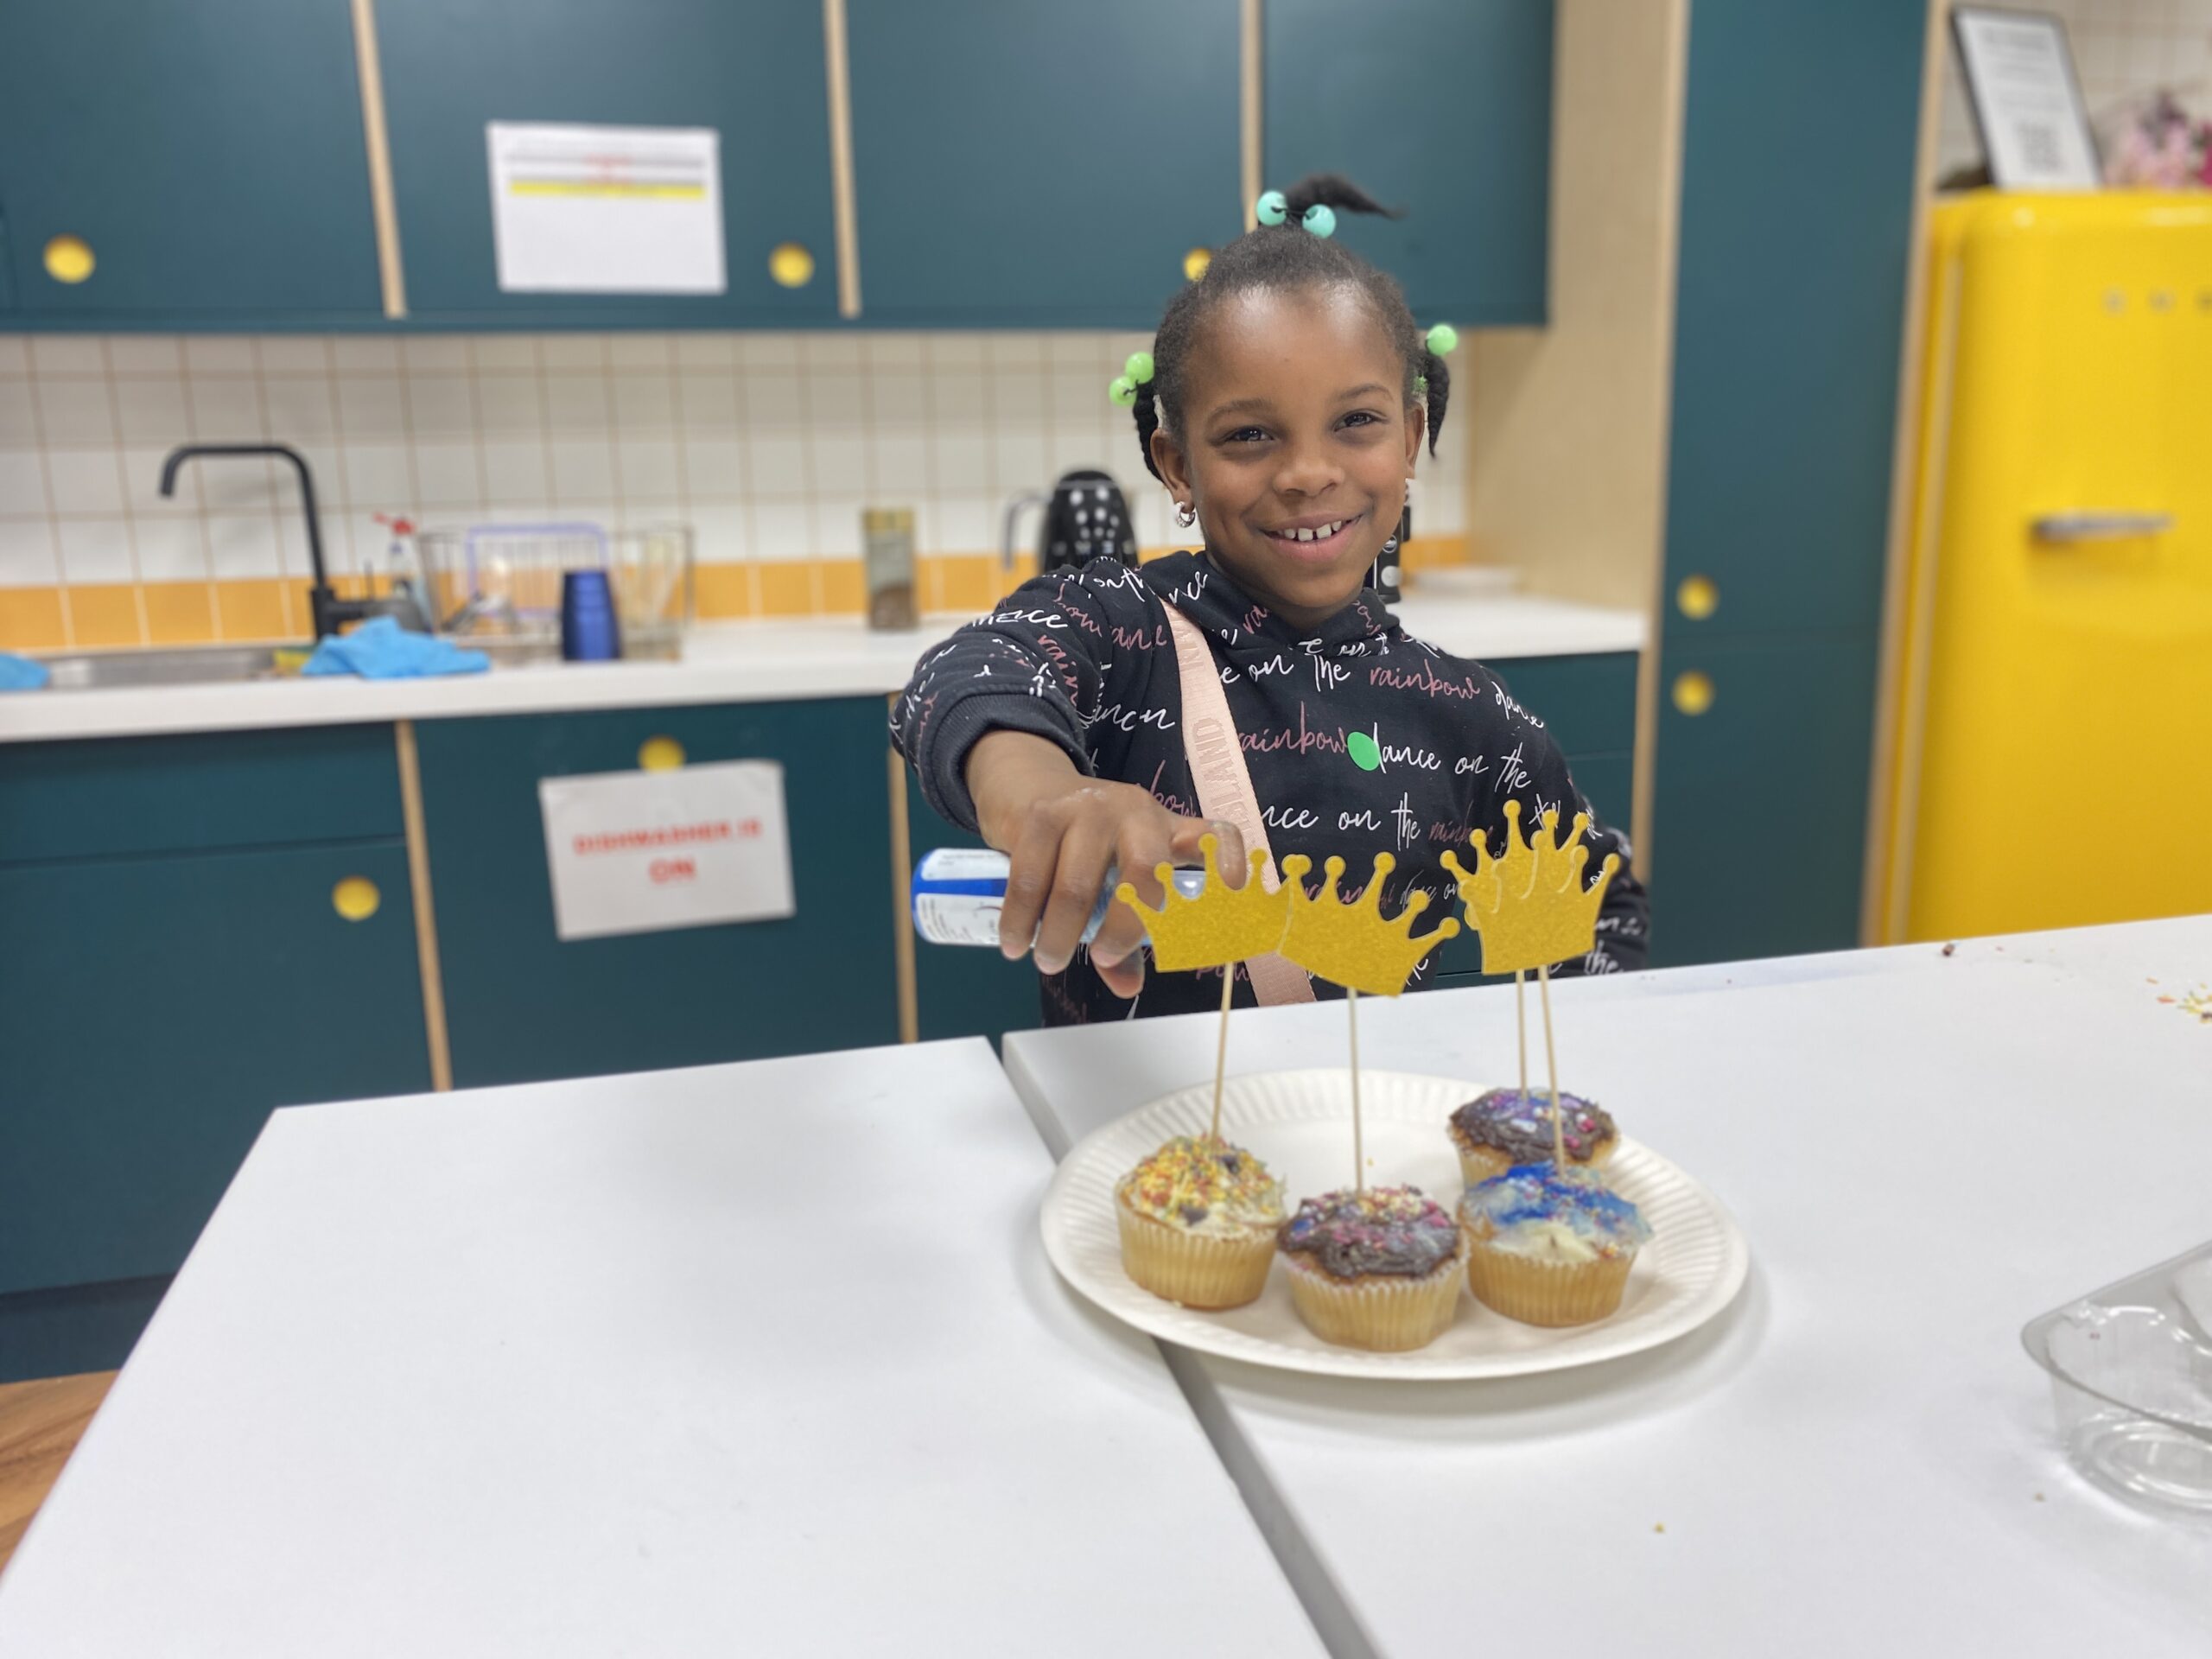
2019,69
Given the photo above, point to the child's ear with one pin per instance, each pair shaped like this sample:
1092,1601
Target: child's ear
1416,432
1167,455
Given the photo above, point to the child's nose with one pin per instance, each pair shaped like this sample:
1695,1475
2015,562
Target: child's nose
1307,470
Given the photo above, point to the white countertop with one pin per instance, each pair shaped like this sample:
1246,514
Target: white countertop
723,662
750,1359
1925,1153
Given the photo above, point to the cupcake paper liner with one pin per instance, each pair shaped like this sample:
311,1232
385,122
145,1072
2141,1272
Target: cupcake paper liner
1546,1292
1194,1269
1382,1314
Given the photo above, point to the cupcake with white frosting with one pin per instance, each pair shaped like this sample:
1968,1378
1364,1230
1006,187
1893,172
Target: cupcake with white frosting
1197,1221
1550,1248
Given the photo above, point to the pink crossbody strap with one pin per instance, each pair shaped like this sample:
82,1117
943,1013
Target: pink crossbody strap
1224,787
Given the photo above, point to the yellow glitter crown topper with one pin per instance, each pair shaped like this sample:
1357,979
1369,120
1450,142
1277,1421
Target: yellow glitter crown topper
1221,925
1351,944
1530,906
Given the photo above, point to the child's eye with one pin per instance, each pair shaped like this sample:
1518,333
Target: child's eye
1362,417
1247,435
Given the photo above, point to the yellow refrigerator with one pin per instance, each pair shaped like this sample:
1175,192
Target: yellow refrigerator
2050,754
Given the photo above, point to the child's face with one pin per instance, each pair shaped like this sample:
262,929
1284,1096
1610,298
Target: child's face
1294,418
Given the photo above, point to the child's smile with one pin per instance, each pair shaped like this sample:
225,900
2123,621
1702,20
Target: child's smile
1296,445
1313,539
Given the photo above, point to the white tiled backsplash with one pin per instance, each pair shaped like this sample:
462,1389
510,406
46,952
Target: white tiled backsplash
2123,50
769,444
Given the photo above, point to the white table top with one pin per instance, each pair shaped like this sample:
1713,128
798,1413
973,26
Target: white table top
751,1359
727,662
1925,1153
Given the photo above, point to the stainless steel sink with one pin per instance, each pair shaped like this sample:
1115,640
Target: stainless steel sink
188,666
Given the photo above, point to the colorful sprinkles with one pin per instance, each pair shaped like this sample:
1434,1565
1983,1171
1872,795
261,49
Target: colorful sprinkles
1520,1126
1393,1230
1195,1178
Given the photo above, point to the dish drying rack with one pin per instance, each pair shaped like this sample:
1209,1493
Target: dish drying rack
496,587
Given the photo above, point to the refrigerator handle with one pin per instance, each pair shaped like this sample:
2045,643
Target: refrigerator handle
2100,526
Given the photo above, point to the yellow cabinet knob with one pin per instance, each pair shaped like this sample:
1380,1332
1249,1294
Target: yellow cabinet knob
660,754
356,898
1698,597
790,265
1693,692
68,259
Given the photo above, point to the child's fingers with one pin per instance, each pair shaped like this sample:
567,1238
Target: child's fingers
1120,934
1085,854
1124,978
1229,857
1029,880
1146,843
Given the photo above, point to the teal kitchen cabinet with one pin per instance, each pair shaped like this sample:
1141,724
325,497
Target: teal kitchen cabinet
1786,362
166,1006
962,990
1761,803
1588,704
197,792
210,156
1779,465
175,968
753,72
1040,166
522,1005
1443,109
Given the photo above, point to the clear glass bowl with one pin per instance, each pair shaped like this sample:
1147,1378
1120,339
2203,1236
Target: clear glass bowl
2130,1374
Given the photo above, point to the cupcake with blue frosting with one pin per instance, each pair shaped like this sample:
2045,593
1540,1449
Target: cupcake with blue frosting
1379,1269
1548,1247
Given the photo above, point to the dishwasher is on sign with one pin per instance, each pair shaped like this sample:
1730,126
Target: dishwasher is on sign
638,852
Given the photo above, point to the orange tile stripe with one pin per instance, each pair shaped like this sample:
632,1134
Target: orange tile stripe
87,617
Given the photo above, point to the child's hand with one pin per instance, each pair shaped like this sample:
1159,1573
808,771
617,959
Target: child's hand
1063,832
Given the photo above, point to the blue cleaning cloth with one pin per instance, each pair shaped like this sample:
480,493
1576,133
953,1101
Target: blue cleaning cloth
21,674
381,650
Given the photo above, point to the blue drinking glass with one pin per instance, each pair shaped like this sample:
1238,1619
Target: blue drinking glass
589,633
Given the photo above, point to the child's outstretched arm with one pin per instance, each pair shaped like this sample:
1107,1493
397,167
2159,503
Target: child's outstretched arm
994,722
1064,833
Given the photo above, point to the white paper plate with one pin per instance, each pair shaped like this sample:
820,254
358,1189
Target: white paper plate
1300,1123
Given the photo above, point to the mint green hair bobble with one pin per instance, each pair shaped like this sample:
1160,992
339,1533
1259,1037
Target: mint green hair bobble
1444,340
1420,385
1122,390
1321,220
1271,208
1138,367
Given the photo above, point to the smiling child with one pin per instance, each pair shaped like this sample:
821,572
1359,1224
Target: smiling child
1288,397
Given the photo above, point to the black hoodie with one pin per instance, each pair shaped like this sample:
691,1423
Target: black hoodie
1084,658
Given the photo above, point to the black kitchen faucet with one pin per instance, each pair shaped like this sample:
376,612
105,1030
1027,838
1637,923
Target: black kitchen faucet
328,610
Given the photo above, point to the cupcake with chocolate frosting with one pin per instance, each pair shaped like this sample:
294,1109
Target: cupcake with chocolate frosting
1495,1131
1550,1248
1377,1268
1198,1222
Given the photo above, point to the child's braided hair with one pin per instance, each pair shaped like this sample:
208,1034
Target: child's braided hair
1283,258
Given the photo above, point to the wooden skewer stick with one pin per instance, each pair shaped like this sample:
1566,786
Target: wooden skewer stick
1221,1049
1551,1064
1520,1027
1359,1152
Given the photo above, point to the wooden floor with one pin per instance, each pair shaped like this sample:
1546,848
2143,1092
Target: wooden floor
40,1423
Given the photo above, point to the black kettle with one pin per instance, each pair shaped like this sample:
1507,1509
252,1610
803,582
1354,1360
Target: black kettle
1086,517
